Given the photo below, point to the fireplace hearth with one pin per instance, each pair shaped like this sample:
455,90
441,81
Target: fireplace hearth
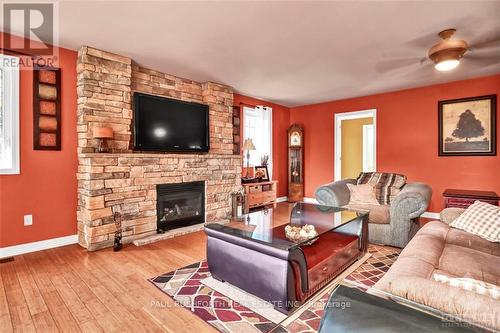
180,205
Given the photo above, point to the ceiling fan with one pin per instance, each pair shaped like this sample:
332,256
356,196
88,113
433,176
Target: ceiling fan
447,53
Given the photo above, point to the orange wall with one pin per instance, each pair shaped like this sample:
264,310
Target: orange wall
281,122
407,137
46,187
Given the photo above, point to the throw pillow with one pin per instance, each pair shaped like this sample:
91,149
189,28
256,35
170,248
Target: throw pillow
479,287
362,194
481,219
387,185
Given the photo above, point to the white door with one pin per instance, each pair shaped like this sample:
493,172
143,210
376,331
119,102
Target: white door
369,141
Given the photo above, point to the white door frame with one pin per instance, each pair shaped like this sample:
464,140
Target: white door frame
339,117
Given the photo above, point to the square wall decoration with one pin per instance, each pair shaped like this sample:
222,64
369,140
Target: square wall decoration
47,109
467,126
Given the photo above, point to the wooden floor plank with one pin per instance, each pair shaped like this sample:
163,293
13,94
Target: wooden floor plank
64,319
5,321
87,298
34,299
104,292
18,308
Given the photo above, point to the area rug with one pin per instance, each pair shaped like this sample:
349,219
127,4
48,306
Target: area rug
185,286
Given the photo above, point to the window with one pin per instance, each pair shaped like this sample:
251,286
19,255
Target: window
9,115
258,126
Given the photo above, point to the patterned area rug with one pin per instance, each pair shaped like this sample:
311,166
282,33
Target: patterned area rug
185,287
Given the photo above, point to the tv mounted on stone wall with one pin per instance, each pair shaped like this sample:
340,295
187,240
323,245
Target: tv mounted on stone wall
169,125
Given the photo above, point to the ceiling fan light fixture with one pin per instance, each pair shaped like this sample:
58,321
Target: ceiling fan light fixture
447,65
447,53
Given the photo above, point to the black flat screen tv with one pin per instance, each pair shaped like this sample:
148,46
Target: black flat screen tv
169,125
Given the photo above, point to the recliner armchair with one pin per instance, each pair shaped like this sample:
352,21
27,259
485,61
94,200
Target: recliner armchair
389,225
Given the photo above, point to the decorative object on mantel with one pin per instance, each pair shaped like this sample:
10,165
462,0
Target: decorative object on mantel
117,246
295,163
264,160
467,126
47,108
103,134
248,145
238,205
262,173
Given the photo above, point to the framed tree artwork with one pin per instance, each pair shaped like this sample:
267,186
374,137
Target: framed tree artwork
467,126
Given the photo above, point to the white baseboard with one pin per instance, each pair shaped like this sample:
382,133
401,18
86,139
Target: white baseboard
281,199
431,215
311,200
15,250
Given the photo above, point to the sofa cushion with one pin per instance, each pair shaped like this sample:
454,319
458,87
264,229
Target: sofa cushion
426,248
468,240
464,304
482,219
362,194
465,262
379,214
387,185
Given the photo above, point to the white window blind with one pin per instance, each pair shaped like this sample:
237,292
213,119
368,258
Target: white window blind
258,126
9,115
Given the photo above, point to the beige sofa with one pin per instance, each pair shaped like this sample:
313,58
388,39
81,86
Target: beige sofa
439,248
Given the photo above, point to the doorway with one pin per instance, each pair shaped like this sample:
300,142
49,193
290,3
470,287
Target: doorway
355,143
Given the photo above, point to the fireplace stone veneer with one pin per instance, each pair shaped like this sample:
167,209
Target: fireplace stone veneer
125,181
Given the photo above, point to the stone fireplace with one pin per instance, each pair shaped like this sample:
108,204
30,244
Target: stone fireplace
179,205
127,181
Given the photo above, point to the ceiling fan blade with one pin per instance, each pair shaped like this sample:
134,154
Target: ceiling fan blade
424,42
483,59
486,43
397,63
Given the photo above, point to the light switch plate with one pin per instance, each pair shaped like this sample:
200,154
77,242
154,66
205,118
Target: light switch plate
28,220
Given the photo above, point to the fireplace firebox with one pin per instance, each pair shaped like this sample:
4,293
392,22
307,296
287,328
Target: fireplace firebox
180,205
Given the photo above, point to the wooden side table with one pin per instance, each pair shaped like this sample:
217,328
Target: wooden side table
465,198
260,194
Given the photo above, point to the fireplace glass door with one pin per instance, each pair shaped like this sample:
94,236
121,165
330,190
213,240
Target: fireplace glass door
180,205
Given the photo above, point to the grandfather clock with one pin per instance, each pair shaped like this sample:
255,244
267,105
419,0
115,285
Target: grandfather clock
295,163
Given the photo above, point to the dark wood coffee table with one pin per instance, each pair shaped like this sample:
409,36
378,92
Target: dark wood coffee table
256,255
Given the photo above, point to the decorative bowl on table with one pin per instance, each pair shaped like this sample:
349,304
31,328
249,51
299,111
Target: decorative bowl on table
298,234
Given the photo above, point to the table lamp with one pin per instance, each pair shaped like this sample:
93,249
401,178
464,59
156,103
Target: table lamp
103,134
248,145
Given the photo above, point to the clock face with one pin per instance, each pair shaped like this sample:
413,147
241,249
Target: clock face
295,139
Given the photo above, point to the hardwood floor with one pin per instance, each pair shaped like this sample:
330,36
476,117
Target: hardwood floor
68,289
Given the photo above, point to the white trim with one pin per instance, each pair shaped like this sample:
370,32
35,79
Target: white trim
339,117
281,199
368,137
10,95
15,250
310,200
431,215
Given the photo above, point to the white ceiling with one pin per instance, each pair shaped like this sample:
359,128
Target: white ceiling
291,53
